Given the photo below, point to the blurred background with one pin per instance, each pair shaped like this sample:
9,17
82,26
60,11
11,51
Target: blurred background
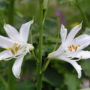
59,75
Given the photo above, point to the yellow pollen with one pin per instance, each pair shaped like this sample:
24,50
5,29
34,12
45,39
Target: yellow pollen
73,47
14,48
76,48
70,48
78,45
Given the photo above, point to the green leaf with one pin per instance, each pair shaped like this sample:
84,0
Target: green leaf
53,78
87,31
85,89
86,67
25,85
71,81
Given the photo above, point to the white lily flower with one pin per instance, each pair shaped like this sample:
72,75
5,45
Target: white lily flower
16,45
72,47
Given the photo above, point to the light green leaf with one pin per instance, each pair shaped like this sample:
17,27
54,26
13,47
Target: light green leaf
85,89
72,81
86,67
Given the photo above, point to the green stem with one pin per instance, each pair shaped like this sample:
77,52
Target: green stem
11,12
58,32
39,61
46,65
31,41
41,17
82,14
4,82
48,61
11,80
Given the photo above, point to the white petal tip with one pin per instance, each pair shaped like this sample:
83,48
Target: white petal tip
6,25
31,22
31,47
80,25
17,75
62,26
49,56
79,77
16,69
79,72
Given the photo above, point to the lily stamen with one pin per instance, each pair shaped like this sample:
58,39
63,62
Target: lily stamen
76,48
71,47
14,48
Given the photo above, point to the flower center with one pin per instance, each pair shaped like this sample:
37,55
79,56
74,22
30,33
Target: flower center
14,48
73,47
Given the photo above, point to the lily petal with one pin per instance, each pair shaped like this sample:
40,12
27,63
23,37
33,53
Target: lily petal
5,42
63,33
73,62
73,32
82,40
11,31
16,69
24,30
55,54
83,54
75,65
5,55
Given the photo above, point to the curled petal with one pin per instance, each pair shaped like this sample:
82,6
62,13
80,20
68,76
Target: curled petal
83,54
54,55
11,31
73,63
5,42
76,66
63,33
16,69
73,32
5,55
24,30
82,40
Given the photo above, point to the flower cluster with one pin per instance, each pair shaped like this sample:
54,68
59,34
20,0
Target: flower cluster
15,45
70,50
